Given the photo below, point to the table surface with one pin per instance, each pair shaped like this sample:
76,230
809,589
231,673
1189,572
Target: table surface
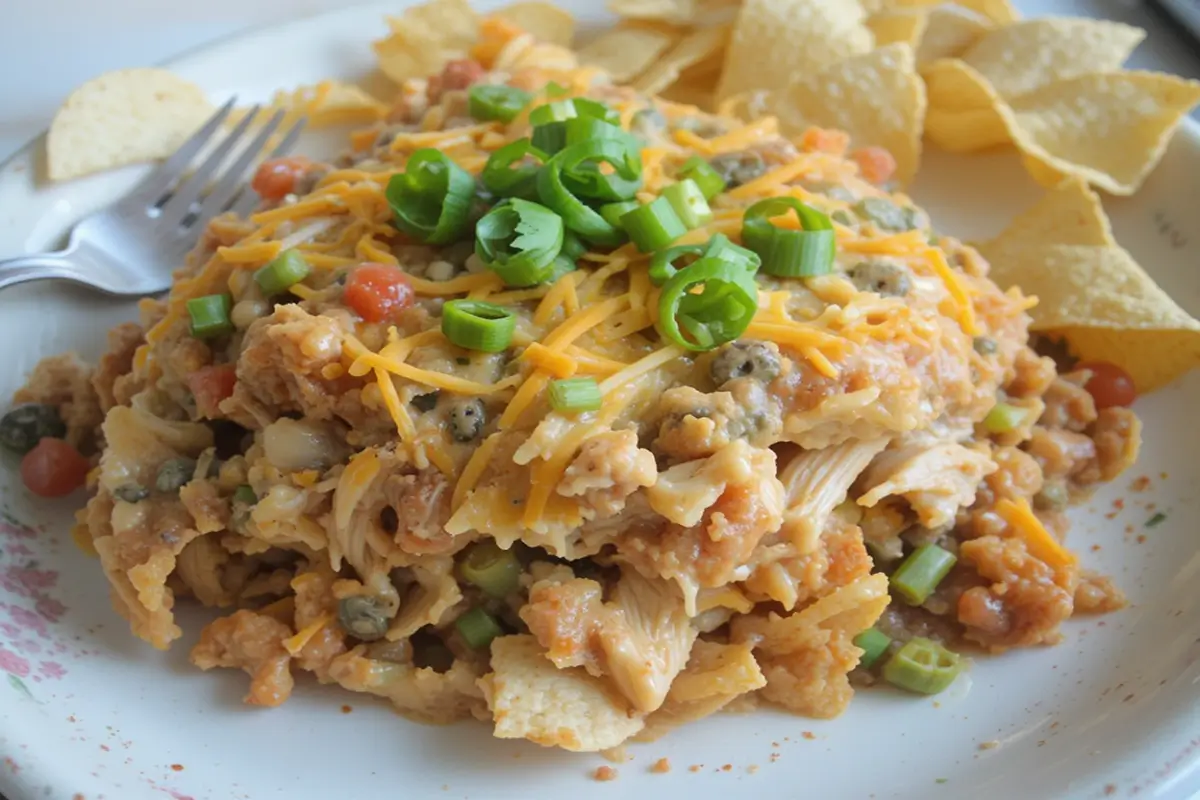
47,47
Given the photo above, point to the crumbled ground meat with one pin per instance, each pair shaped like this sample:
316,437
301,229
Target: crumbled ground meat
1068,404
64,381
254,643
1097,594
1118,437
1032,375
1061,452
111,380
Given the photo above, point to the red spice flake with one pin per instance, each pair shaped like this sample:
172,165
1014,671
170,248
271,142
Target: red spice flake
695,767
605,774
1041,742
1141,539
1128,697
1111,515
347,709
727,768
1163,475
1141,483
775,744
1110,789
1118,504
105,748
809,735
991,744
177,767
1129,529
774,757
78,796
661,767
1053,725
1095,548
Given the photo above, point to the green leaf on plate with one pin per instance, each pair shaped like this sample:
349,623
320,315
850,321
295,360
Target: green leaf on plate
20,686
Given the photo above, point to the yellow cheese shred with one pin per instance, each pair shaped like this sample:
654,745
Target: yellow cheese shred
1040,543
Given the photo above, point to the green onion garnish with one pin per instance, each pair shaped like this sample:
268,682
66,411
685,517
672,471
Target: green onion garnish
476,325
431,199
689,203
719,314
575,394
210,315
874,643
662,265
788,253
552,131
497,572
558,111
502,179
580,163
920,573
708,179
922,666
612,212
245,494
490,102
572,248
1004,418
653,226
518,240
477,628
285,270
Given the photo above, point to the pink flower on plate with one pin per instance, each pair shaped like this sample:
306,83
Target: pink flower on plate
12,663
9,526
18,549
29,620
51,669
50,608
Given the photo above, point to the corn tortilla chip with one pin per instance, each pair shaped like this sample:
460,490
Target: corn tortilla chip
546,21
1026,56
123,117
624,52
1069,214
905,26
695,48
949,31
324,103
778,42
680,11
425,38
877,98
1001,12
1109,129
1105,306
964,111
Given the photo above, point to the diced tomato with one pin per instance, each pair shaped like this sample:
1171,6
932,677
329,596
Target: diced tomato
53,468
1109,385
875,164
377,291
210,385
277,177
457,75
823,140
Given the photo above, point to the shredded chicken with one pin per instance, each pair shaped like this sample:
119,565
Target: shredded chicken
610,467
252,642
937,481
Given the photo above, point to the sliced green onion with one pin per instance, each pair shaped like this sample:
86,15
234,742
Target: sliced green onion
490,102
550,138
721,313
584,178
554,126
788,253
245,494
922,666
518,240
662,265
708,179
558,111
572,248
654,225
612,212
285,270
1004,418
874,643
585,107
562,265
585,129
477,628
689,203
497,572
431,199
210,315
502,179
476,325
575,394
578,217
555,89
920,573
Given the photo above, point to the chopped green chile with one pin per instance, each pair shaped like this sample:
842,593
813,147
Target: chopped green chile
880,277
720,313
174,473
745,359
985,346
874,643
363,617
518,240
209,316
787,253
466,418
478,628
477,325
919,575
26,425
245,494
431,200
922,666
1005,418
736,169
886,215
131,493
494,570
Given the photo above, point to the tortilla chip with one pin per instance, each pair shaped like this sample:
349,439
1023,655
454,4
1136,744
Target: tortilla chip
777,42
624,52
532,699
325,103
905,26
1070,214
1105,306
1001,12
877,98
123,117
1108,129
1026,56
679,11
546,21
425,38
949,31
695,48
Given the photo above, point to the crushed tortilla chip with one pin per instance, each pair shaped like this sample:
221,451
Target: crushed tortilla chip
1069,214
949,31
425,38
625,51
695,48
715,675
545,21
123,117
532,699
677,11
904,26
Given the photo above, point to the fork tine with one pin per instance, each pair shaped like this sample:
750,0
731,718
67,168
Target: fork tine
248,199
234,177
180,202
157,182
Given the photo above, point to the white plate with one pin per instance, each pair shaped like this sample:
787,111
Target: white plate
1113,711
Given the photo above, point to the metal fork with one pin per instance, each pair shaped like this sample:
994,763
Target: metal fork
131,247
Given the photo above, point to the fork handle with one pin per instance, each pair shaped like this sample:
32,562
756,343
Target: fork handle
37,266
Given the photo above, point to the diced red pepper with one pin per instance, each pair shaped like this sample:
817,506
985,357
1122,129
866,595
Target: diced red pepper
377,291
210,385
875,164
53,468
824,140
